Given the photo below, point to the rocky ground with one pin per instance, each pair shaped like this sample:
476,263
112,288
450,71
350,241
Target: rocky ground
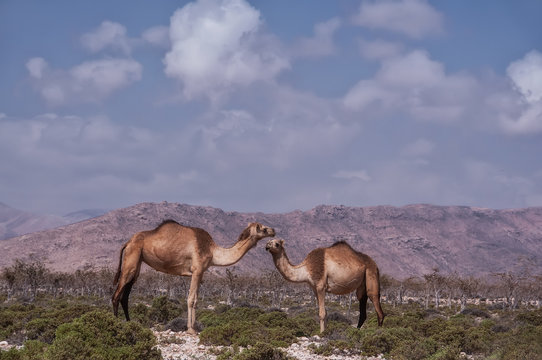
181,346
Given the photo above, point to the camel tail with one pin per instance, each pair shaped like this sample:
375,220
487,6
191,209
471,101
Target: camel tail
117,275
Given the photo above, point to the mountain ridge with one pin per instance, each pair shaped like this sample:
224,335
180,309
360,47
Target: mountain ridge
404,241
15,222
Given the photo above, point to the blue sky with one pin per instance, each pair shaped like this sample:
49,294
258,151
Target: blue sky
270,106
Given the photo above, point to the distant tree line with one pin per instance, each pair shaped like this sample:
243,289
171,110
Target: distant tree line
27,279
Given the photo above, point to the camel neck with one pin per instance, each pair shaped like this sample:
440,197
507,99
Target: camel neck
229,256
288,271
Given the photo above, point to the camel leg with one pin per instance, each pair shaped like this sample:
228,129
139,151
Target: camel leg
361,294
130,271
124,299
373,291
192,302
375,298
320,297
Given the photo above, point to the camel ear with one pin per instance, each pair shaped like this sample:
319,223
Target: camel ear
281,242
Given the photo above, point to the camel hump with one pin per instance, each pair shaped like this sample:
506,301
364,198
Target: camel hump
315,264
166,222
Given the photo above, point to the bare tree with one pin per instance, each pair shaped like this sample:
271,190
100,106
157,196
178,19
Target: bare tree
435,283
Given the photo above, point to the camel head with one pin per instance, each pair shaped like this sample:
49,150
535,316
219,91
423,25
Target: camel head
257,231
275,246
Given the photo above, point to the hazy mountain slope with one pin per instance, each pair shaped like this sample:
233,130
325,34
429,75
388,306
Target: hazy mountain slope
410,240
14,222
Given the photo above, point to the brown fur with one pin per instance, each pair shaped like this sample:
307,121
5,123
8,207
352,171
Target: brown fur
315,264
180,250
338,269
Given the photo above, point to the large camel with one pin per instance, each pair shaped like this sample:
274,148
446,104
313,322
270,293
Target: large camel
337,269
179,250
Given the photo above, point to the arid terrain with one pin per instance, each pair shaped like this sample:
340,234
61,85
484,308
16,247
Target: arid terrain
405,241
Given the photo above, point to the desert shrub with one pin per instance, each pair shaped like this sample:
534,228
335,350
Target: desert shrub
520,343
177,325
261,351
163,310
306,324
475,312
336,330
141,313
275,319
95,335
478,340
446,353
533,318
32,350
246,326
417,349
99,335
43,328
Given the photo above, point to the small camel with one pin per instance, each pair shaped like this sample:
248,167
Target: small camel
179,250
337,269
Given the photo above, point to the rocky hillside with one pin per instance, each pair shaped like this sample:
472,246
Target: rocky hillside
404,241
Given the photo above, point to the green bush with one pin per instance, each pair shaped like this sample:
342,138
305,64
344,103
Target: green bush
43,328
246,326
417,349
99,335
163,310
261,351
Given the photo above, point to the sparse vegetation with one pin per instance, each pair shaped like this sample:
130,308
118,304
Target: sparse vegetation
54,320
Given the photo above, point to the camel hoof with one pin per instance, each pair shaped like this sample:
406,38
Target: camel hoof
191,332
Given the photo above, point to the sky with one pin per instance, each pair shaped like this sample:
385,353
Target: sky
270,106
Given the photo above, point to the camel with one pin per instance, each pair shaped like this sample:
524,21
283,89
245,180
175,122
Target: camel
179,250
337,269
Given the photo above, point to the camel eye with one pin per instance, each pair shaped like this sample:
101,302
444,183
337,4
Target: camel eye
276,245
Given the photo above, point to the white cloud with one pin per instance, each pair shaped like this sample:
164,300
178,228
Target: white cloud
379,49
87,82
413,18
321,44
110,35
416,84
219,44
526,74
36,67
157,35
524,116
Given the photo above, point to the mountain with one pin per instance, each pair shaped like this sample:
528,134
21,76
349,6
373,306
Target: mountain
404,241
81,215
14,222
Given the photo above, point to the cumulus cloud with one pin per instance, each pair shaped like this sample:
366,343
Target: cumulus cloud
64,160
321,44
526,75
36,67
220,44
89,81
109,35
525,116
416,84
413,18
